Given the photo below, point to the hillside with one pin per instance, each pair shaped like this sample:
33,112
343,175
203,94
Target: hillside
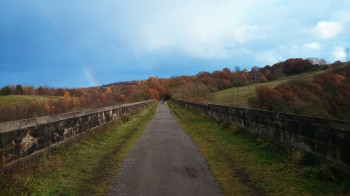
22,100
239,96
15,107
321,94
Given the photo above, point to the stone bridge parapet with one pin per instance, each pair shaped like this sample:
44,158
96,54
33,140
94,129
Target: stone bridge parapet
326,139
25,139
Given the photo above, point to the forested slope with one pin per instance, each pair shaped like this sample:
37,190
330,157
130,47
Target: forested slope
327,95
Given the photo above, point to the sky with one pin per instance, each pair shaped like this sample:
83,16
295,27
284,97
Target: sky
85,43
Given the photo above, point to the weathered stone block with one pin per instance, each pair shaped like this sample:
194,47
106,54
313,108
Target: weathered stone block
43,142
72,122
56,137
1,158
68,132
28,145
321,133
345,156
19,135
6,139
45,130
79,128
11,153
342,138
29,150
35,131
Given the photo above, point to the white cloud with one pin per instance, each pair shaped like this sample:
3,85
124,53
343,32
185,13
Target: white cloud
153,39
268,57
245,33
312,46
339,54
327,29
342,16
201,29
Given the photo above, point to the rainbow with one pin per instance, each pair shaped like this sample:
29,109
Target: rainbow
87,71
89,75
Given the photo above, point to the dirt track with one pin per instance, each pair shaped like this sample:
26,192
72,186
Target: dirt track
164,161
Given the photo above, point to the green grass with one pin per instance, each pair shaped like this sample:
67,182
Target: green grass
243,165
239,96
21,100
84,169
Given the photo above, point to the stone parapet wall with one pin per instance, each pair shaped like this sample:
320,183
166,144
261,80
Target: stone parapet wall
25,138
326,139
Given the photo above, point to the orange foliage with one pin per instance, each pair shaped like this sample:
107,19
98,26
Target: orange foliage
66,95
153,82
108,90
152,93
47,107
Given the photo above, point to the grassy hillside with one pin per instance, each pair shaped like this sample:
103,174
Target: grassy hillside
239,96
16,107
22,100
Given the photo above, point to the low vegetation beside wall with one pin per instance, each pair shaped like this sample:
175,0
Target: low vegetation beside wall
24,139
326,139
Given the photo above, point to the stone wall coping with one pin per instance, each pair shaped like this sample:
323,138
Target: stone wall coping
25,123
334,123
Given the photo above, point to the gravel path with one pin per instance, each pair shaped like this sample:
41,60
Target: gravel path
164,161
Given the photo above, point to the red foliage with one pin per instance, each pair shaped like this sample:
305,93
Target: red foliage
209,81
198,99
341,102
328,95
267,98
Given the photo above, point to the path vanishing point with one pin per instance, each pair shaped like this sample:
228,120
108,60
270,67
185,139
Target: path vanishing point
164,161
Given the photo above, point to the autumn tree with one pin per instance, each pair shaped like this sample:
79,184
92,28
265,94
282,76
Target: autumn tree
5,90
19,89
268,99
47,107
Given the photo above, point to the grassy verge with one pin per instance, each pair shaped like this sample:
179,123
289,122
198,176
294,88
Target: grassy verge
243,165
84,169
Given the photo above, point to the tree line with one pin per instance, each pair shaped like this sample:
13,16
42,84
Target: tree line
194,88
199,87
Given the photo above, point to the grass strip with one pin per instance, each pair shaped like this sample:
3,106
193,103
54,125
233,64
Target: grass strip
84,169
244,165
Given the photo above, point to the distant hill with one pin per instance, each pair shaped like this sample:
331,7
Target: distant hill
125,83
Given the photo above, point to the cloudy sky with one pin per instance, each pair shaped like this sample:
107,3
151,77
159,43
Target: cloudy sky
85,43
